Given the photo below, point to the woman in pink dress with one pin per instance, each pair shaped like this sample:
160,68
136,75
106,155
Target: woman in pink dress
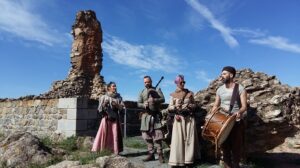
109,136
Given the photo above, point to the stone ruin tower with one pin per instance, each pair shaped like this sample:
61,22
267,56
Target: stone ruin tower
84,78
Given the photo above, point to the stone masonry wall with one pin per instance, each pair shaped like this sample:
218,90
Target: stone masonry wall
61,117
36,116
48,117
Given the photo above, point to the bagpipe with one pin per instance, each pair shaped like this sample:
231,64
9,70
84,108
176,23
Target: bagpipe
153,94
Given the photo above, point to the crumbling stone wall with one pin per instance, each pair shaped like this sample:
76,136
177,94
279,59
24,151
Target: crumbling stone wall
36,116
84,79
61,117
86,53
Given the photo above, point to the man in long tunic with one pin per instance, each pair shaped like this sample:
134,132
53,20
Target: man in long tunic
150,99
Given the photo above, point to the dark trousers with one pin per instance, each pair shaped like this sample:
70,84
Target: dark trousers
232,148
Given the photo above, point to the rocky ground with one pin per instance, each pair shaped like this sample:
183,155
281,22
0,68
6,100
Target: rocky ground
21,150
137,155
284,155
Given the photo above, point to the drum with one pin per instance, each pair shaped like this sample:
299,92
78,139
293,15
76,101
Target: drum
217,127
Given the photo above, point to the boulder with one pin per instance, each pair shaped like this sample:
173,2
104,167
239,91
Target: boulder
22,148
115,161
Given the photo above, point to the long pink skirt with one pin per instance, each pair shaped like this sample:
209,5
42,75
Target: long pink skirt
108,137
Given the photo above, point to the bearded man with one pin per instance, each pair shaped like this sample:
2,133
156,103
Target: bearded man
150,99
232,148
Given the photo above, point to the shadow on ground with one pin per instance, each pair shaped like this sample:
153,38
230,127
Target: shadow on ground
276,160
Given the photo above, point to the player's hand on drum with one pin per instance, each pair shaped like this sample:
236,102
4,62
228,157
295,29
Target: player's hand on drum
238,116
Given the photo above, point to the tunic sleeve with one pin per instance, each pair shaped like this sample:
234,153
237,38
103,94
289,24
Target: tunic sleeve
140,100
101,102
121,103
161,98
171,106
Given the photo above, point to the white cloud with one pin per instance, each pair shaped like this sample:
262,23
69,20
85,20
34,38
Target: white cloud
262,38
202,75
280,43
256,36
226,32
19,21
145,57
194,20
249,32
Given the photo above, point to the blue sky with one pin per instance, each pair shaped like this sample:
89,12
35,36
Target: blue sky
195,38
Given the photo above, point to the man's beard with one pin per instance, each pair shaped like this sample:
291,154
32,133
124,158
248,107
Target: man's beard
148,86
226,80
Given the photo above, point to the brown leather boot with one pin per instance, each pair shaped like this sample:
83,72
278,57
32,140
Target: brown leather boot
149,157
161,158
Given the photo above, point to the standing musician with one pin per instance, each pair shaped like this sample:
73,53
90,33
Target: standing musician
184,142
109,136
150,100
232,148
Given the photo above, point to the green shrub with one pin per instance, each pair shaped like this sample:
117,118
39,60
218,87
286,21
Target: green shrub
3,164
133,142
54,160
47,141
88,157
69,144
92,156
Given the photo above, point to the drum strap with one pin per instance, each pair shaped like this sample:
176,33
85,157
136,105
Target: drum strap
235,97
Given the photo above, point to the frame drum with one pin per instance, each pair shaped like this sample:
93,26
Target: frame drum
217,127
